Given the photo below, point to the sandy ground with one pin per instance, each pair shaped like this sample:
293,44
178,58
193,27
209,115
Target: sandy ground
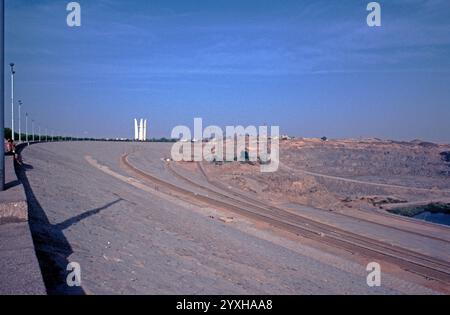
346,174
128,240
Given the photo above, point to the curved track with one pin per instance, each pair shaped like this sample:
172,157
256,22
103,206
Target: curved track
415,262
253,200
356,181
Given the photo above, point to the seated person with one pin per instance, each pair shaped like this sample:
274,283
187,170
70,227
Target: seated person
10,147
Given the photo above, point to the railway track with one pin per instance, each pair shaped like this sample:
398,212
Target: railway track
253,200
426,266
362,182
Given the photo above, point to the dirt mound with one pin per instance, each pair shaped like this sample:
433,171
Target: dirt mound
414,164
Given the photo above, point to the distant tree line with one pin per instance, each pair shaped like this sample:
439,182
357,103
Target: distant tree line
29,137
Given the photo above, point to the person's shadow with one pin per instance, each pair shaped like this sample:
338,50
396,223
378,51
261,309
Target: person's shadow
52,247
12,184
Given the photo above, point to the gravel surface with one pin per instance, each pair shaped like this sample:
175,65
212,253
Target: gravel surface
130,241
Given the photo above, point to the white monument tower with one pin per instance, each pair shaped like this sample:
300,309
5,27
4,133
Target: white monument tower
140,129
145,130
136,130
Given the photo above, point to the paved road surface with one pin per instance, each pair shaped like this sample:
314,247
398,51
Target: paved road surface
128,240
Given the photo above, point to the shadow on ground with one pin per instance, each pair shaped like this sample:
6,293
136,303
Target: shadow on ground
52,247
11,184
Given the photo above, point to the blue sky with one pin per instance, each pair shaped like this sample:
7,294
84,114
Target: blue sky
312,67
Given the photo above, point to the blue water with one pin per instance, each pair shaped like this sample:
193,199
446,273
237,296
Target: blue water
441,218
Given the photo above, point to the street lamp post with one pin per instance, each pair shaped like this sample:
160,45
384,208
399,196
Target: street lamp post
20,130
26,128
39,133
32,128
2,94
12,100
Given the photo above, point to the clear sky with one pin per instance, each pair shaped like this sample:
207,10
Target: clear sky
312,67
